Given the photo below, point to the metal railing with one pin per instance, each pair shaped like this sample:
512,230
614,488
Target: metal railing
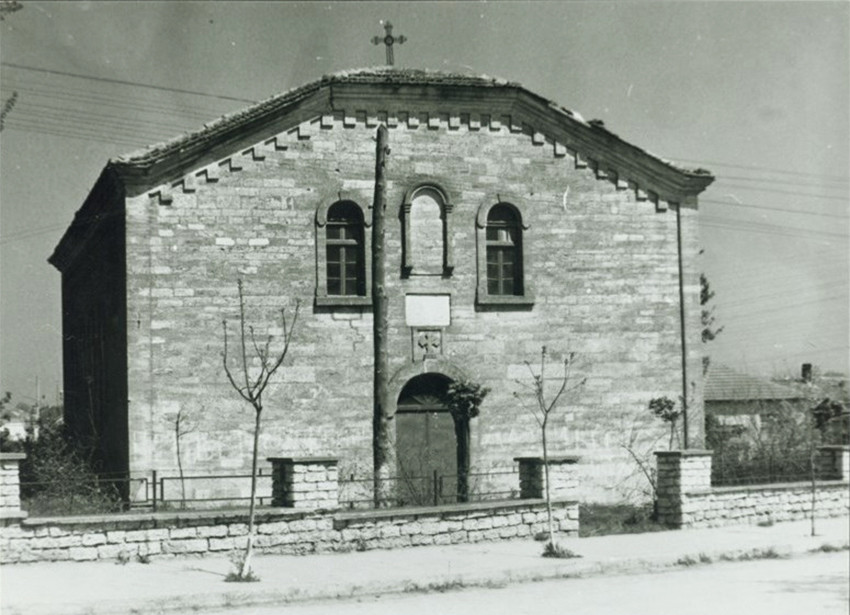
434,489
733,472
157,492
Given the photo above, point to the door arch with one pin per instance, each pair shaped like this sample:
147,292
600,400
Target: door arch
425,441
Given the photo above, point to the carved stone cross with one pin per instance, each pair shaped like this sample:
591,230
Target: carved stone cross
388,39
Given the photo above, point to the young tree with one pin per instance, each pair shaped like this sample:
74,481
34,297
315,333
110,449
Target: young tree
665,409
709,331
185,421
250,384
463,399
542,411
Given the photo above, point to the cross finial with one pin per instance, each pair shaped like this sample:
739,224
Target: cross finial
388,39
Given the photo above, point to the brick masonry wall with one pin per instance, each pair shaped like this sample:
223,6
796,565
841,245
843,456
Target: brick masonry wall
602,264
163,535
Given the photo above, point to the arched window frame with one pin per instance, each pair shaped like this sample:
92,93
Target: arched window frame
483,296
323,299
446,209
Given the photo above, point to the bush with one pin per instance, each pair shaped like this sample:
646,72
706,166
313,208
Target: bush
56,478
772,446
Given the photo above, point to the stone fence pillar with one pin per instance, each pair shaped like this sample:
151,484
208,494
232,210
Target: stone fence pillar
10,488
835,462
680,473
305,482
562,476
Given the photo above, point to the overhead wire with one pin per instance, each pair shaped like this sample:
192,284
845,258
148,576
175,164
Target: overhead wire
124,82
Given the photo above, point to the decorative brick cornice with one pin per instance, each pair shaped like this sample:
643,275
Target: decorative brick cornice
415,99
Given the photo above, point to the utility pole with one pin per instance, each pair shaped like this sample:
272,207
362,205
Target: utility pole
380,418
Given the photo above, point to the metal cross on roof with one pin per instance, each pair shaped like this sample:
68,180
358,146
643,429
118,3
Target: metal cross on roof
388,39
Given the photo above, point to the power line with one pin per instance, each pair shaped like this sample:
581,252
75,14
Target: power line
123,82
836,178
789,192
106,101
766,208
771,181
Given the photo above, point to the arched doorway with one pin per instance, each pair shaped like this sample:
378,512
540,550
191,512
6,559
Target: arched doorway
426,450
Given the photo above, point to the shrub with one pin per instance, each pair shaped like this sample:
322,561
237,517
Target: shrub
56,478
555,550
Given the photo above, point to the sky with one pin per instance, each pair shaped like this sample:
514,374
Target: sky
759,93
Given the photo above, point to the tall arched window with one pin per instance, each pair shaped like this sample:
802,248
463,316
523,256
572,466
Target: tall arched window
504,252
502,259
344,260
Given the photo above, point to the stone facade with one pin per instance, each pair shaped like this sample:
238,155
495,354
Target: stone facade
10,491
248,198
685,497
563,477
309,482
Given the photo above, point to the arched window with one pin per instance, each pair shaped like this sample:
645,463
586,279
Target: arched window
343,265
344,250
504,252
502,258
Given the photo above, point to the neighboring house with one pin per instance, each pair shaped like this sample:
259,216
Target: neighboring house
737,399
512,223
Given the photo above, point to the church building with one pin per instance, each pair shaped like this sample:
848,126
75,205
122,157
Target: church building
511,224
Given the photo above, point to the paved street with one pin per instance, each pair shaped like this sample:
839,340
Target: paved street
811,585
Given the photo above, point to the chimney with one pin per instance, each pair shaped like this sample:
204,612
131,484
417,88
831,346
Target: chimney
807,372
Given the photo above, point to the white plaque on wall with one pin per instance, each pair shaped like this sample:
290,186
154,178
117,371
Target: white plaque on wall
427,310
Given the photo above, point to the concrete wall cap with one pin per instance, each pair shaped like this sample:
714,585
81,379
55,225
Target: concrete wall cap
12,456
553,459
303,460
690,452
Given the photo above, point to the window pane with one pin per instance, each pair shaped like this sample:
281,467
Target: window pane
344,249
334,287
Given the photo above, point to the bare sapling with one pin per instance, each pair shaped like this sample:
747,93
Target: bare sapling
185,422
542,412
250,381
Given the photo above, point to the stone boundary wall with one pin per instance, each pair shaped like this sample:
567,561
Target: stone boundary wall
685,497
764,504
162,535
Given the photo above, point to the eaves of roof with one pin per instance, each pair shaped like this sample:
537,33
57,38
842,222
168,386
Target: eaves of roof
725,384
405,88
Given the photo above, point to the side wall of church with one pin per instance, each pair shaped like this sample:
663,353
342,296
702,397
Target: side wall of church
602,264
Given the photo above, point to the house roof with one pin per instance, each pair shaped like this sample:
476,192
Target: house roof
397,89
382,94
725,384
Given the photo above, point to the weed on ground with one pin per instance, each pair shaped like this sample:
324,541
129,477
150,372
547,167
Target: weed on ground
558,551
605,519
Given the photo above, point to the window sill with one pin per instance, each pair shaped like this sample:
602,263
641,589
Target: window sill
507,301
343,301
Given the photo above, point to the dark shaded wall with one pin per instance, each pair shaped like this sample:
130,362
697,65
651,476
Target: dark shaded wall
94,331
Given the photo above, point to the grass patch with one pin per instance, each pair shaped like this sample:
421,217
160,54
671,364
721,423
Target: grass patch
687,560
828,548
765,523
557,551
606,519
235,577
755,554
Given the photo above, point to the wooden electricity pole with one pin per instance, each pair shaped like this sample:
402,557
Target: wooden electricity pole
381,445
